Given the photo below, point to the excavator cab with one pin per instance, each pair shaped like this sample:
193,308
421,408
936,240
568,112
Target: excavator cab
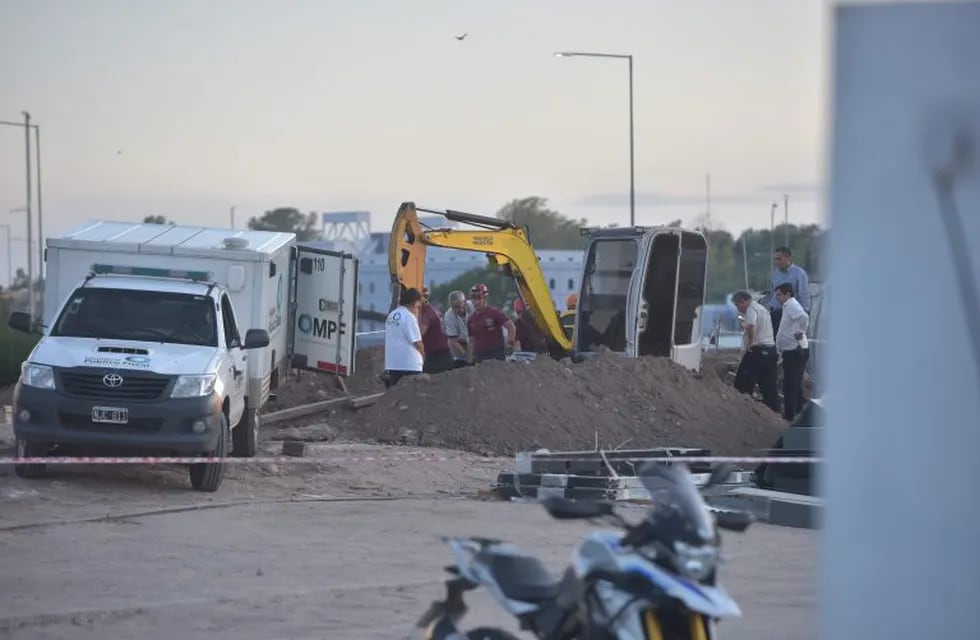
642,290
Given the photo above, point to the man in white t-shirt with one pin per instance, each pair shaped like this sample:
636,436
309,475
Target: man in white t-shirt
404,353
792,343
759,364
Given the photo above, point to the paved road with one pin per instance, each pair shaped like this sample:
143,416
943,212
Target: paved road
333,570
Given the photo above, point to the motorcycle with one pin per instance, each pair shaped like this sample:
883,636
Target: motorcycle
654,580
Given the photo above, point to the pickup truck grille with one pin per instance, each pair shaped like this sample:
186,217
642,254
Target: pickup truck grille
134,386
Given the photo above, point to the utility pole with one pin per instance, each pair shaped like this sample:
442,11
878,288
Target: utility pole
772,230
786,216
40,227
30,242
233,217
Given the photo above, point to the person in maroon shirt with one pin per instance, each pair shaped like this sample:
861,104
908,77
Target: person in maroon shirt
528,335
438,358
486,327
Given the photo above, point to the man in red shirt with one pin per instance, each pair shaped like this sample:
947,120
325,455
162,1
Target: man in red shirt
529,338
438,358
486,326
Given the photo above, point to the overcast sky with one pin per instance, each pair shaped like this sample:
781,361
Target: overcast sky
187,108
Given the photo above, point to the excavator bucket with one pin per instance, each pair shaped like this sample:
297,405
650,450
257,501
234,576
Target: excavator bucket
406,252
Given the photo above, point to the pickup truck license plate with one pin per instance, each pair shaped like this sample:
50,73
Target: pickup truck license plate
110,415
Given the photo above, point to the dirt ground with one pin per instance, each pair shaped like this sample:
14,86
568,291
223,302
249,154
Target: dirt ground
340,551
499,408
346,547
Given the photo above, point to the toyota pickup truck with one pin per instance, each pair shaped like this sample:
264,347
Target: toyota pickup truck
169,339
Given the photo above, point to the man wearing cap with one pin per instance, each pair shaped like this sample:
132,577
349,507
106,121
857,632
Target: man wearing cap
486,326
759,364
438,358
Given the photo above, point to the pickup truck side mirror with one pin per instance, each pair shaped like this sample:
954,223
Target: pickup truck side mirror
20,321
256,339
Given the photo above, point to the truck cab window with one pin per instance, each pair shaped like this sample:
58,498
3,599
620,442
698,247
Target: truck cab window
232,339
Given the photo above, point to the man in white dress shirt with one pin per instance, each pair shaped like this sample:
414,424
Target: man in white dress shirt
792,344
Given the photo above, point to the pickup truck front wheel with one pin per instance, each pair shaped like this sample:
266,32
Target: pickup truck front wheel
245,435
207,476
27,449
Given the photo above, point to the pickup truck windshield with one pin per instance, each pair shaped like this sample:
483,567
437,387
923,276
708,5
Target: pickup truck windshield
151,316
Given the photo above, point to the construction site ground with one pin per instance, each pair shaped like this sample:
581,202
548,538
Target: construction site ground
344,547
334,551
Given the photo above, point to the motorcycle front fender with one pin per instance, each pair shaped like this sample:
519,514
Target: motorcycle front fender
443,629
449,611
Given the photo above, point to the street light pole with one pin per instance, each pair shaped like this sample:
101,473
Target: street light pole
786,216
632,184
629,59
772,230
40,228
30,258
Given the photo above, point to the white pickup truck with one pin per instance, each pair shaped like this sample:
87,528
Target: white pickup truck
168,339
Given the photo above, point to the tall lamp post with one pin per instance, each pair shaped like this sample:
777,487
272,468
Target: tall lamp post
629,58
772,230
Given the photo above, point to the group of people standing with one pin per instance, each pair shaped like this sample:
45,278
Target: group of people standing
776,329
420,340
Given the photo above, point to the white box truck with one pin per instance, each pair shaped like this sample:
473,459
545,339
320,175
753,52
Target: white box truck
169,338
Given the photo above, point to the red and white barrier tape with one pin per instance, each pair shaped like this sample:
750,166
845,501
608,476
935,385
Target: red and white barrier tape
339,459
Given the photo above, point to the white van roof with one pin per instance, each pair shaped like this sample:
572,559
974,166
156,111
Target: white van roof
175,240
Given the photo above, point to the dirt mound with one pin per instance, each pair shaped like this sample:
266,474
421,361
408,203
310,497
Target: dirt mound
505,407
312,386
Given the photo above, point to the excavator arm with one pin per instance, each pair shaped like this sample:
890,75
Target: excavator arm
505,244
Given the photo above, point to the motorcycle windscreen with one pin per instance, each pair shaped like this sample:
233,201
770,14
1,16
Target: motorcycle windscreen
325,318
672,487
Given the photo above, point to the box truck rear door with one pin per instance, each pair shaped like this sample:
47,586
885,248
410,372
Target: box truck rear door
324,310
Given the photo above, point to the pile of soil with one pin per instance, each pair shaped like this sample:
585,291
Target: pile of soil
500,408
312,386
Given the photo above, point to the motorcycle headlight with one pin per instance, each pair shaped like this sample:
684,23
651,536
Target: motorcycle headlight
695,562
194,386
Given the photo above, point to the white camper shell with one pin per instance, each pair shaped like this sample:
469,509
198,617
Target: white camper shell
264,301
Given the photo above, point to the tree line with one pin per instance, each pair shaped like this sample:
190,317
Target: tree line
734,262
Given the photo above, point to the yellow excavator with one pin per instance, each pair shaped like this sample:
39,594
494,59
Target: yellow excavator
640,293
505,244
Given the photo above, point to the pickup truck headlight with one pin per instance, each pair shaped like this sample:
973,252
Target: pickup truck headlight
37,375
194,386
